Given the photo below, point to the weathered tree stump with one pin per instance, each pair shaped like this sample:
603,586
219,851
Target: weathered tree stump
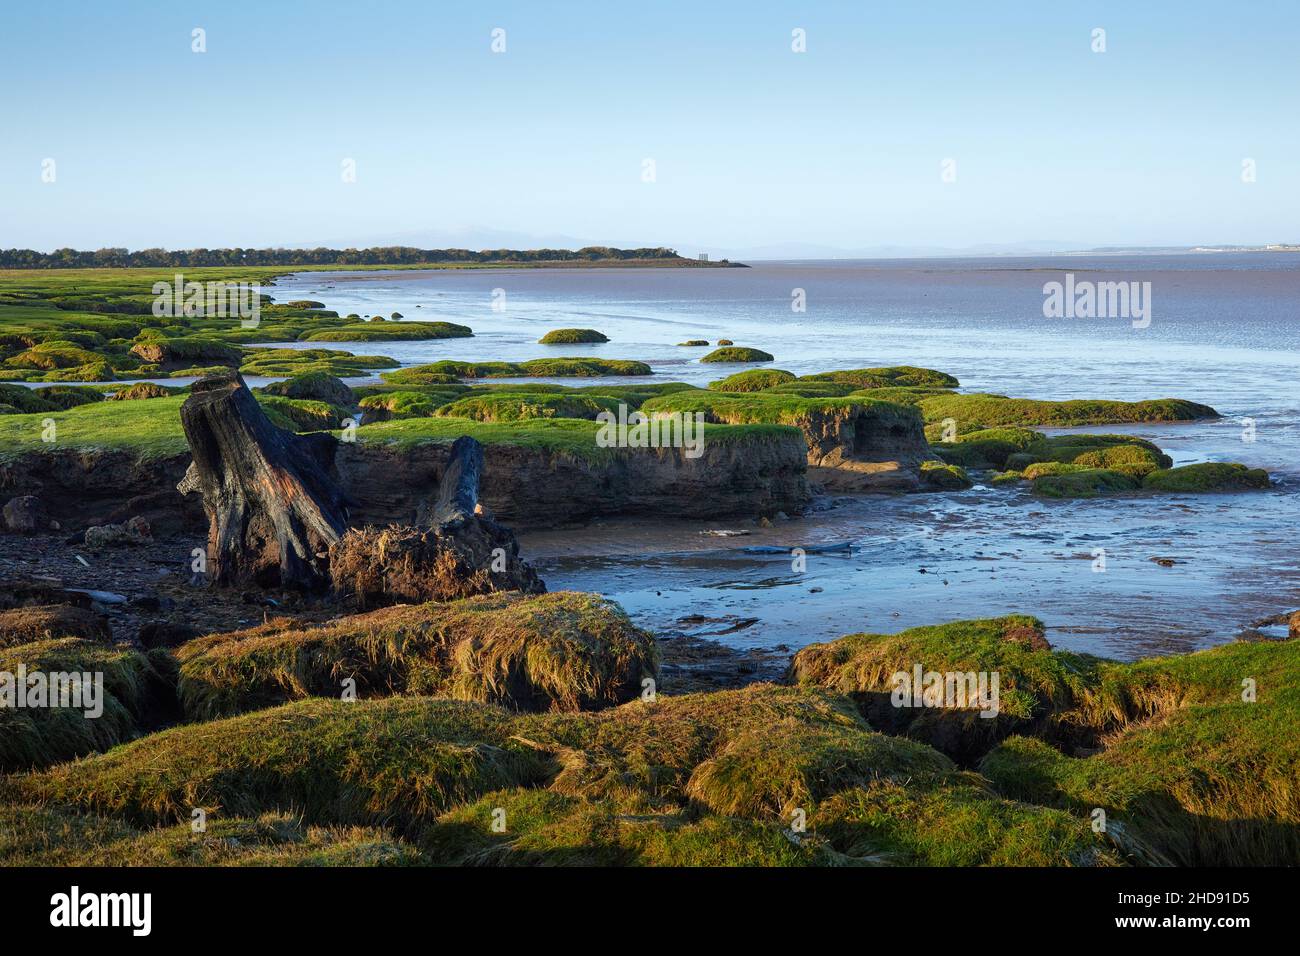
457,550
273,510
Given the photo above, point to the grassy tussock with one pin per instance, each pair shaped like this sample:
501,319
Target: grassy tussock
22,625
40,736
1188,770
563,651
637,784
33,835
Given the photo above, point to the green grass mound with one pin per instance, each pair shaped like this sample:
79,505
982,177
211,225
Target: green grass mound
330,761
23,400
419,375
572,337
562,651
1208,476
939,476
471,783
1126,454
151,429
301,415
300,362
982,449
1192,756
1035,684
507,407
385,406
142,390
535,368
43,733
390,332
34,835
1194,770
804,389
901,394
887,377
582,367
752,380
42,622
1084,483
185,351
737,353
993,411
313,386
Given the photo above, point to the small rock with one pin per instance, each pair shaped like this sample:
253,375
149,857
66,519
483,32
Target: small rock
134,531
25,515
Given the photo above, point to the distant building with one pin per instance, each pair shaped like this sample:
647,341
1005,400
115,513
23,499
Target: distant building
704,257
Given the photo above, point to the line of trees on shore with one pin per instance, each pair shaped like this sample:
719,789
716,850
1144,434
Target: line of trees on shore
384,255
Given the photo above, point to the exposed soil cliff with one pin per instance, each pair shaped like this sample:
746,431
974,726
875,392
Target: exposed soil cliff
524,485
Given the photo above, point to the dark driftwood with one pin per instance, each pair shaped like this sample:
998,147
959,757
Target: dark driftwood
457,550
273,510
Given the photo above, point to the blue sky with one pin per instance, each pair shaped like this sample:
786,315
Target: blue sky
753,145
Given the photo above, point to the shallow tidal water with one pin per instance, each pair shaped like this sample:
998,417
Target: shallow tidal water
1225,330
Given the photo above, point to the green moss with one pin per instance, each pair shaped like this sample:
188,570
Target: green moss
573,437
299,362
390,332
315,386
1123,453
143,390
752,380
989,411
508,407
582,367
944,477
737,353
571,337
810,389
1085,483
406,404
419,375
536,368
984,448
891,376
1207,476
562,651
303,415
900,394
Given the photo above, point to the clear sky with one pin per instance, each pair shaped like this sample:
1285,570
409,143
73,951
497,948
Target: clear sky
753,144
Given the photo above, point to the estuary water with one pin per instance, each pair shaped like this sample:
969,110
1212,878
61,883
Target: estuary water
1181,572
